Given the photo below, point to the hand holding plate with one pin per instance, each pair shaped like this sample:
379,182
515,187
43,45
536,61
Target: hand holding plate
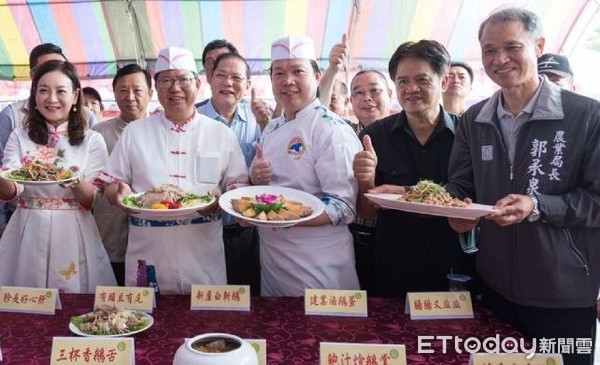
123,190
212,207
511,209
70,184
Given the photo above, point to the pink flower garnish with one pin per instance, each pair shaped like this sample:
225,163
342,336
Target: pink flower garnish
268,199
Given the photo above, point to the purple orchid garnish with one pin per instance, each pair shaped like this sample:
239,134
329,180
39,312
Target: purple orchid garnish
268,199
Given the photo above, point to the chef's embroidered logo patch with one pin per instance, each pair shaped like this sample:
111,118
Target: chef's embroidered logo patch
487,153
296,148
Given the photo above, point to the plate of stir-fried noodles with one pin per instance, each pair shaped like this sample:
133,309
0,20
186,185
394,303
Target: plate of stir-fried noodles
166,202
429,198
37,173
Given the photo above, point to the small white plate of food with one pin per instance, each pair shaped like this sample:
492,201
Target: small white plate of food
109,321
166,202
38,173
429,198
271,206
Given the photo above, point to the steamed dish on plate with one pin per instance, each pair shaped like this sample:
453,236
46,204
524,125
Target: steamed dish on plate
270,207
40,171
166,196
428,192
108,320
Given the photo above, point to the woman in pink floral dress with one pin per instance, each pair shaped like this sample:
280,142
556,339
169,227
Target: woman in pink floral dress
52,241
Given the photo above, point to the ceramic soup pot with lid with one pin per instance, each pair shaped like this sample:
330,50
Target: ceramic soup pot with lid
216,349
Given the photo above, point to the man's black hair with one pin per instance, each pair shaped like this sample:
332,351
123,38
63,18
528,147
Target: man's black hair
43,49
216,44
129,69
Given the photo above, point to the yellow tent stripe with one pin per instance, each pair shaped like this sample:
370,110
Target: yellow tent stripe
11,38
426,15
295,17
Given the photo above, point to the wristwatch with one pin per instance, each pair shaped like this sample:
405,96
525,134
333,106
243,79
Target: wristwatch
535,213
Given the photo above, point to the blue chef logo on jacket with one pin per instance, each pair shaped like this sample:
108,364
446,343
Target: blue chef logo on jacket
296,148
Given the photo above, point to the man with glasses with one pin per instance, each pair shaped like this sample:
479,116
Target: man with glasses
257,106
212,51
230,82
370,95
183,148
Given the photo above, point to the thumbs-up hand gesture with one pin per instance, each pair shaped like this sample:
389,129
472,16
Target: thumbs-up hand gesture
260,109
365,163
260,169
338,54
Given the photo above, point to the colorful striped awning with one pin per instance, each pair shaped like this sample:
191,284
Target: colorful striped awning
99,36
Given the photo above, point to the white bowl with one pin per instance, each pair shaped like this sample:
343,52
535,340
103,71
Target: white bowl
244,354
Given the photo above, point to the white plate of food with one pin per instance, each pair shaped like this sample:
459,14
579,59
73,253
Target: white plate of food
110,322
166,202
39,174
431,199
271,206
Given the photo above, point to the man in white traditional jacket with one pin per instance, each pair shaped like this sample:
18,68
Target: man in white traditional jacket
310,149
183,148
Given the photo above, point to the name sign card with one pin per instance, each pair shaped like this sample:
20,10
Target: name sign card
260,346
126,297
352,303
29,300
515,359
439,305
358,353
221,297
101,351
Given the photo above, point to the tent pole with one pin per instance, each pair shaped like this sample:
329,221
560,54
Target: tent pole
135,30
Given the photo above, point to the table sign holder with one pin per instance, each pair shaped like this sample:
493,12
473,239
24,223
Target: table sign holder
260,346
345,303
29,300
126,297
515,359
220,297
439,305
338,353
92,351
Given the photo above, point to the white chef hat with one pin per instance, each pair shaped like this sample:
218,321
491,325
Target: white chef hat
175,58
291,47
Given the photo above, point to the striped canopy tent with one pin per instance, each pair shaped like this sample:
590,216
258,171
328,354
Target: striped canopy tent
100,36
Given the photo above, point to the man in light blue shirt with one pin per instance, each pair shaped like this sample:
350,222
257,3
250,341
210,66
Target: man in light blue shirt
229,83
257,106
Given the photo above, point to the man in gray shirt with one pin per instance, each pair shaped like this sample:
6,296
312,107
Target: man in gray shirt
132,86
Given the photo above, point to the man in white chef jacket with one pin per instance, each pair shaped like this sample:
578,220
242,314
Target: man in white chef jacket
187,149
310,149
